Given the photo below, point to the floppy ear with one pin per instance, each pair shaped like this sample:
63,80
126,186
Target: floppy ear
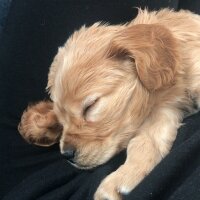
153,50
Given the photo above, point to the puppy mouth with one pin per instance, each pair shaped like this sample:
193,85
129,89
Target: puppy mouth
79,166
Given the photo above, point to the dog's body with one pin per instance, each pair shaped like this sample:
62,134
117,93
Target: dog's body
116,87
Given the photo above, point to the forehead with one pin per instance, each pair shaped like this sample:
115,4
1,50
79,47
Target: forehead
84,63
89,44
85,79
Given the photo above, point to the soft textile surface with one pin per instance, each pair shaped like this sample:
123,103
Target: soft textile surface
4,8
33,32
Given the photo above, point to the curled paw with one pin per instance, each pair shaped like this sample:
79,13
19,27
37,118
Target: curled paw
39,124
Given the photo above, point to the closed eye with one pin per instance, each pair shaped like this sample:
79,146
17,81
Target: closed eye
89,106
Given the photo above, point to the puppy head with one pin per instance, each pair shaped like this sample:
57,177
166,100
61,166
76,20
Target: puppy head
101,83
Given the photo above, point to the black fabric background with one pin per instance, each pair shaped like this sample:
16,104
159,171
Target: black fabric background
33,32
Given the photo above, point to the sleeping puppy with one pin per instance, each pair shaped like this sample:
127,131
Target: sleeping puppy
120,87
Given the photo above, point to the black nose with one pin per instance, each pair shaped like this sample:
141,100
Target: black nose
69,153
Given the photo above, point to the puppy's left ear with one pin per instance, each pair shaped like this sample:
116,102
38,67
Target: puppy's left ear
154,53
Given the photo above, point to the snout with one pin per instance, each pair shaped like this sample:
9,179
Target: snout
84,154
69,153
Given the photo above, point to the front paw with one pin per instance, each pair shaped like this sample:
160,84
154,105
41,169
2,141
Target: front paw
111,188
39,125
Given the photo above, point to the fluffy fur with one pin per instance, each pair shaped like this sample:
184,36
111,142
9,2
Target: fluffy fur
116,87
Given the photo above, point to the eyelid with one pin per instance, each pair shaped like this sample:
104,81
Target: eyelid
89,104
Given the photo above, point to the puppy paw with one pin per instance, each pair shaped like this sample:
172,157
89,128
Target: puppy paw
39,125
111,188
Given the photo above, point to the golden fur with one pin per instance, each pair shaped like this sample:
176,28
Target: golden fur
116,87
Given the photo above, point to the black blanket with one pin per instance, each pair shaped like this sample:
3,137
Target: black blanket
30,39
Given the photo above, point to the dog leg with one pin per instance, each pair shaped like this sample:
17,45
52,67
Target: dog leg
144,152
39,124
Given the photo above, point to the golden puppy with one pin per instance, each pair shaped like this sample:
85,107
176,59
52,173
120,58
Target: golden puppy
116,87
